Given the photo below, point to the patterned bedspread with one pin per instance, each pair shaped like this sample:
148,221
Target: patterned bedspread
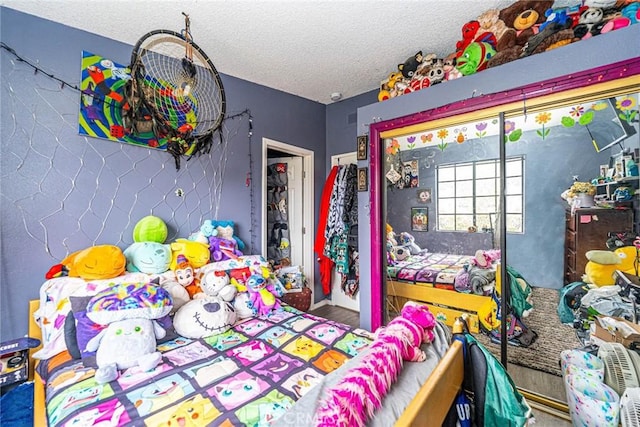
439,270
250,375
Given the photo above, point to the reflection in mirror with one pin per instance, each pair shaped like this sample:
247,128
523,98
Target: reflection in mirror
442,210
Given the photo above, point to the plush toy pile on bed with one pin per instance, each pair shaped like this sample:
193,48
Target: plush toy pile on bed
496,37
133,290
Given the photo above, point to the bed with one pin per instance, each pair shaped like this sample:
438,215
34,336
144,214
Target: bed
261,371
439,280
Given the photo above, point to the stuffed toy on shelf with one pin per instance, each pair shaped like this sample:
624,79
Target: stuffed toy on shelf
602,265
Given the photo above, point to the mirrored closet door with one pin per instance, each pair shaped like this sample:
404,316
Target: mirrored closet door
469,198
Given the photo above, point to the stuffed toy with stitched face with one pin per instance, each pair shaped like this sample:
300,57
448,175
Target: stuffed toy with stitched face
204,317
409,67
601,267
475,58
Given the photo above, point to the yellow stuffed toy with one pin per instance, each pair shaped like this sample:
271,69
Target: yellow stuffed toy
602,265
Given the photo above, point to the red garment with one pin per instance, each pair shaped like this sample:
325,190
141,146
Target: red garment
326,264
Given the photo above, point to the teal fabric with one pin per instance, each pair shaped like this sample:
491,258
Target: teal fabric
564,312
498,401
518,297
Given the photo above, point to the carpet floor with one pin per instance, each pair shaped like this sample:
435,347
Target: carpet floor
553,336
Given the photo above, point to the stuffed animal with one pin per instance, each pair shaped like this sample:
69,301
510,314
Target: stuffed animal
490,22
186,277
222,249
588,19
93,263
226,230
469,31
475,57
148,257
204,317
216,283
129,310
409,242
355,398
409,67
523,19
602,265
150,229
197,253
206,230
261,296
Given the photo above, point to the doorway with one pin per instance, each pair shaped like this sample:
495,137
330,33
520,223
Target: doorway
298,205
338,295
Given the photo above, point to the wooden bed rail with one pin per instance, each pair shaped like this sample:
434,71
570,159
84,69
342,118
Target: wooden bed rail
432,402
39,418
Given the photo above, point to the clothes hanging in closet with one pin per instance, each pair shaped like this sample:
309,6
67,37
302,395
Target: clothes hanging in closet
339,210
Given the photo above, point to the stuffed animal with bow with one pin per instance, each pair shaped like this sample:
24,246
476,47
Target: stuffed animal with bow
262,298
353,401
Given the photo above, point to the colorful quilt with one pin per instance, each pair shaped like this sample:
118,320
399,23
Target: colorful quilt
248,376
438,270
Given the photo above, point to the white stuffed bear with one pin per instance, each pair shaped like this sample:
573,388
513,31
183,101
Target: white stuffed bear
215,282
408,241
124,344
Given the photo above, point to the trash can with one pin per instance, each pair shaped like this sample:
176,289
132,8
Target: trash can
591,402
578,361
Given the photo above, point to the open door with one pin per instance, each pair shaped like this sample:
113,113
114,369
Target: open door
299,207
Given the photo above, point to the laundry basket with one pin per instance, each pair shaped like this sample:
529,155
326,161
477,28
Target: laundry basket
581,362
591,402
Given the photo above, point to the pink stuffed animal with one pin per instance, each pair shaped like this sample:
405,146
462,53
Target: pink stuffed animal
353,400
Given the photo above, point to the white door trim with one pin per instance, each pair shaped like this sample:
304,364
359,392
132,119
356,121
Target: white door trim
308,206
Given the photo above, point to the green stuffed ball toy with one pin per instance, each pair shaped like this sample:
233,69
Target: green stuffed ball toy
150,229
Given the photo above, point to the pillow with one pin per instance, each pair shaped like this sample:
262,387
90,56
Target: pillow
85,329
127,301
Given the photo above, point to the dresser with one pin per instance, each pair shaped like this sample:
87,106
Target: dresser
587,229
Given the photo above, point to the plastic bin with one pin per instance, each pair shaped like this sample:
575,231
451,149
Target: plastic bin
581,362
591,402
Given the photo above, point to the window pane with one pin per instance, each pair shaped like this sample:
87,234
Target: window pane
513,167
486,170
447,206
464,205
514,185
483,222
446,189
464,189
446,174
447,222
514,204
514,223
464,171
486,187
486,205
463,222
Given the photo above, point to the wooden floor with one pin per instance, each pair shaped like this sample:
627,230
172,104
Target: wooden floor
544,383
338,314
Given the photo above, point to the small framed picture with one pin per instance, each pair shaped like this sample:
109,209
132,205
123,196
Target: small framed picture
424,195
363,179
603,170
610,173
419,219
363,142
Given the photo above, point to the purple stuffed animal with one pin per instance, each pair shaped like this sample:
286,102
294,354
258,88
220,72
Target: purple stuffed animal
222,249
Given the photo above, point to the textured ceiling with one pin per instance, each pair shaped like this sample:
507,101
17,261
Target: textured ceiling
310,48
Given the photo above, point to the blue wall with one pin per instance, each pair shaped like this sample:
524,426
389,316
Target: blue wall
584,55
62,192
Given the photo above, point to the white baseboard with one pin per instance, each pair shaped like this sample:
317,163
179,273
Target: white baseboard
319,304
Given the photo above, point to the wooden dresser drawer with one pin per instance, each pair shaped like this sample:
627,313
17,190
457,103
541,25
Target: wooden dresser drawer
570,240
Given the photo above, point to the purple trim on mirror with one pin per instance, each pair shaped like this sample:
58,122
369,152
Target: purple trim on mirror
585,78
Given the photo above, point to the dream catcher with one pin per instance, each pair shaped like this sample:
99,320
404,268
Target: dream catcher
174,92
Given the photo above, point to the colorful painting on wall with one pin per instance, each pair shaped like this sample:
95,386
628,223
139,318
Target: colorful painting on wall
103,102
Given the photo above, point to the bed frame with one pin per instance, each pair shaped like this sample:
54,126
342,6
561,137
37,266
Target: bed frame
428,408
445,304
